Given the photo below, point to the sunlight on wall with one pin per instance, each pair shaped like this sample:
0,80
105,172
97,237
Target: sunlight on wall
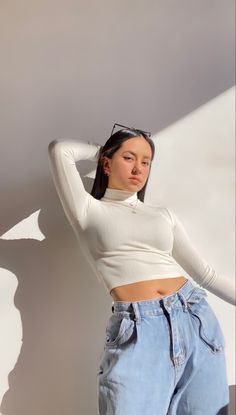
10,321
10,328
193,172
27,228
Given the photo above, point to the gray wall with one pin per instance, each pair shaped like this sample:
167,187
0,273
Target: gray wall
72,69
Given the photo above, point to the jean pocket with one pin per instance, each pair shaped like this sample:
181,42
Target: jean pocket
208,325
118,330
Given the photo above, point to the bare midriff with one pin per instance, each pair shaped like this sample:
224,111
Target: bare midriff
147,290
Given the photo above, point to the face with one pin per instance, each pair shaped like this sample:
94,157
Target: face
133,159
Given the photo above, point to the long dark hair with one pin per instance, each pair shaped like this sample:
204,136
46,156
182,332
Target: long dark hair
113,144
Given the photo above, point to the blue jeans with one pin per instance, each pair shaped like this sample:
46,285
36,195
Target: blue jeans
163,357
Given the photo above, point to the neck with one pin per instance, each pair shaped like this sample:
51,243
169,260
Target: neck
119,194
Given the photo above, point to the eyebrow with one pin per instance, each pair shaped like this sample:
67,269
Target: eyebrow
134,154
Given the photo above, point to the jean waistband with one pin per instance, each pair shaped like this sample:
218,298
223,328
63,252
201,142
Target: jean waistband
156,305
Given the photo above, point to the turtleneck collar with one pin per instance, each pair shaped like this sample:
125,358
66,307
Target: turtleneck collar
118,194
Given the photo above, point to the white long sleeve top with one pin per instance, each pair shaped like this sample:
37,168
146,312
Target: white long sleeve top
121,246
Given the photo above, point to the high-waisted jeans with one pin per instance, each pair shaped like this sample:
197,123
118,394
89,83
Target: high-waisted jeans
163,357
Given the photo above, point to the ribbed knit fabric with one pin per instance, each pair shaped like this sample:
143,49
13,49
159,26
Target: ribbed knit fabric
124,239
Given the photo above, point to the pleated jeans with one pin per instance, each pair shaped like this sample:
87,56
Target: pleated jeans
163,357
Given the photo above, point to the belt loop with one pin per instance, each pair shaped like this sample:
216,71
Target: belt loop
137,317
184,301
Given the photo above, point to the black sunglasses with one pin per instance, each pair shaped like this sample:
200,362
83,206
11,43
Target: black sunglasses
128,128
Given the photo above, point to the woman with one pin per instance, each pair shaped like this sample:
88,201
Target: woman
164,350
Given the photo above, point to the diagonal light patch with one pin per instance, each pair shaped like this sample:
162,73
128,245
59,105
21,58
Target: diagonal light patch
91,174
193,172
10,328
28,228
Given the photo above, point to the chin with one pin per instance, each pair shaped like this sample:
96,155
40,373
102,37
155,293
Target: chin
135,187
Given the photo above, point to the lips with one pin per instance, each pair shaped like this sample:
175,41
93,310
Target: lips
135,178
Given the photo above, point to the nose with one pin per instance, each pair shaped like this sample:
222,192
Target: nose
136,169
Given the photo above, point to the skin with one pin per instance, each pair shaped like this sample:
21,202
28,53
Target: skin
120,168
123,165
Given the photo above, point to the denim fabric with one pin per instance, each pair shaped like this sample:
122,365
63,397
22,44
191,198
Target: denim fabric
163,357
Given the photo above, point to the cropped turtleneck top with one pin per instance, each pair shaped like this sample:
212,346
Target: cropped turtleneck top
124,239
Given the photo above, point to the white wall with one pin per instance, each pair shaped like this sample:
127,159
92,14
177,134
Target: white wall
194,173
72,69
63,308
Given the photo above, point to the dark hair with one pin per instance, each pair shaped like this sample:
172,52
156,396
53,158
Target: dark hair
113,144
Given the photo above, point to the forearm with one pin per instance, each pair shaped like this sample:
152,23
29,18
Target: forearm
186,254
74,150
63,156
223,288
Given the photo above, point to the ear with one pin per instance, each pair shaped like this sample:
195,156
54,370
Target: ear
105,163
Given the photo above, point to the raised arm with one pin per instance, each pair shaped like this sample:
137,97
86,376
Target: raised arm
63,156
196,266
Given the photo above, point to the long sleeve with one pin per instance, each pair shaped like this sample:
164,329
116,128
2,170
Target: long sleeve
63,156
196,266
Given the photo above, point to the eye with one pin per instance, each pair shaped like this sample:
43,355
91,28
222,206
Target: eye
130,158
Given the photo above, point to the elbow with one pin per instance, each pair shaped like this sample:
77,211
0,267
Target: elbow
59,149
52,145
55,148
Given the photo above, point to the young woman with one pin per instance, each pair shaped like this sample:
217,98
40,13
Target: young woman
164,350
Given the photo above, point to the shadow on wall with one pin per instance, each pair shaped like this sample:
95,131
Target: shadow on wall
232,394
56,370
229,409
224,411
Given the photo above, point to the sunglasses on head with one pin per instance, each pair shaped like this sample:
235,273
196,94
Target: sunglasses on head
128,128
